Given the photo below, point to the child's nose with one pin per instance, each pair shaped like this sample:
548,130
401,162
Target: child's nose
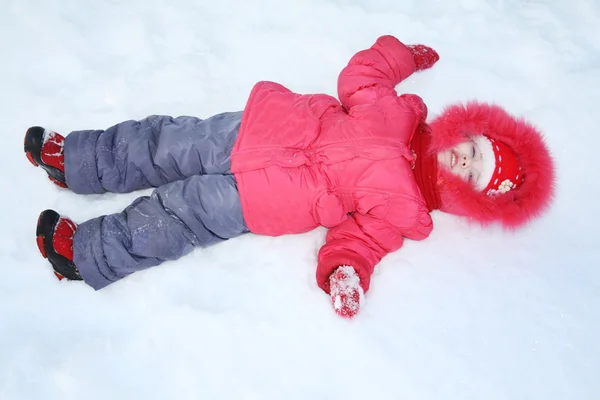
465,161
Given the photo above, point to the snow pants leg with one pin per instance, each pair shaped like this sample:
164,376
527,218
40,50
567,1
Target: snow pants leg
198,211
159,149
196,202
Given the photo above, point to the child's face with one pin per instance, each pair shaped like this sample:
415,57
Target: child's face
463,160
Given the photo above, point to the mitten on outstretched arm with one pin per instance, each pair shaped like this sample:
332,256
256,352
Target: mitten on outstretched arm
424,56
373,73
346,293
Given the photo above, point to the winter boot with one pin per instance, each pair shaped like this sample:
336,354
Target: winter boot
55,241
45,149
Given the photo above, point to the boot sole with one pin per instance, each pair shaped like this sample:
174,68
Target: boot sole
34,139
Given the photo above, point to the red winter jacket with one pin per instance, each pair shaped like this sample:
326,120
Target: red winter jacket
306,160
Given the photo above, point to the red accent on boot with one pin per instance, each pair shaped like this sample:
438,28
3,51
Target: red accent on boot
53,150
31,160
57,183
62,240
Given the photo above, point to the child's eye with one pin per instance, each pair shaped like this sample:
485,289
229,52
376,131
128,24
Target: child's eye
470,176
473,151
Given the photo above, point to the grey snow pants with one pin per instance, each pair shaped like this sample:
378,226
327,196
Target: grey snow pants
195,203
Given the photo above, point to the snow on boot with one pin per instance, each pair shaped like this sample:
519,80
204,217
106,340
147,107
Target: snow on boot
45,148
54,236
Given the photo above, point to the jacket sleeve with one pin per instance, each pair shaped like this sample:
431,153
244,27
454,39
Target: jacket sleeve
363,240
374,73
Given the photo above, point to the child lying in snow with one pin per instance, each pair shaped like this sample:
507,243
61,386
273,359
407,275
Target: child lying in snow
370,169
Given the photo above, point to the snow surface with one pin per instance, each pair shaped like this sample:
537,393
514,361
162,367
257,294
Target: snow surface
466,314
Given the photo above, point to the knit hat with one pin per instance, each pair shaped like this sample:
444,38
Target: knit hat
518,180
501,171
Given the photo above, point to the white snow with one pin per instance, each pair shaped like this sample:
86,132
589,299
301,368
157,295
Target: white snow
465,314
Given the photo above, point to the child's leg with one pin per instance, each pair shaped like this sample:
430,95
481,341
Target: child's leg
157,150
198,211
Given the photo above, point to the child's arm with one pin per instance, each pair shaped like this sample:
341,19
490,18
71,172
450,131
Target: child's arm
374,73
361,242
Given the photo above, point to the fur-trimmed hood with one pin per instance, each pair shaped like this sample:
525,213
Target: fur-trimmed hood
515,208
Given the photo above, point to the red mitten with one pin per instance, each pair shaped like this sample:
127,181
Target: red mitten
346,293
424,56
